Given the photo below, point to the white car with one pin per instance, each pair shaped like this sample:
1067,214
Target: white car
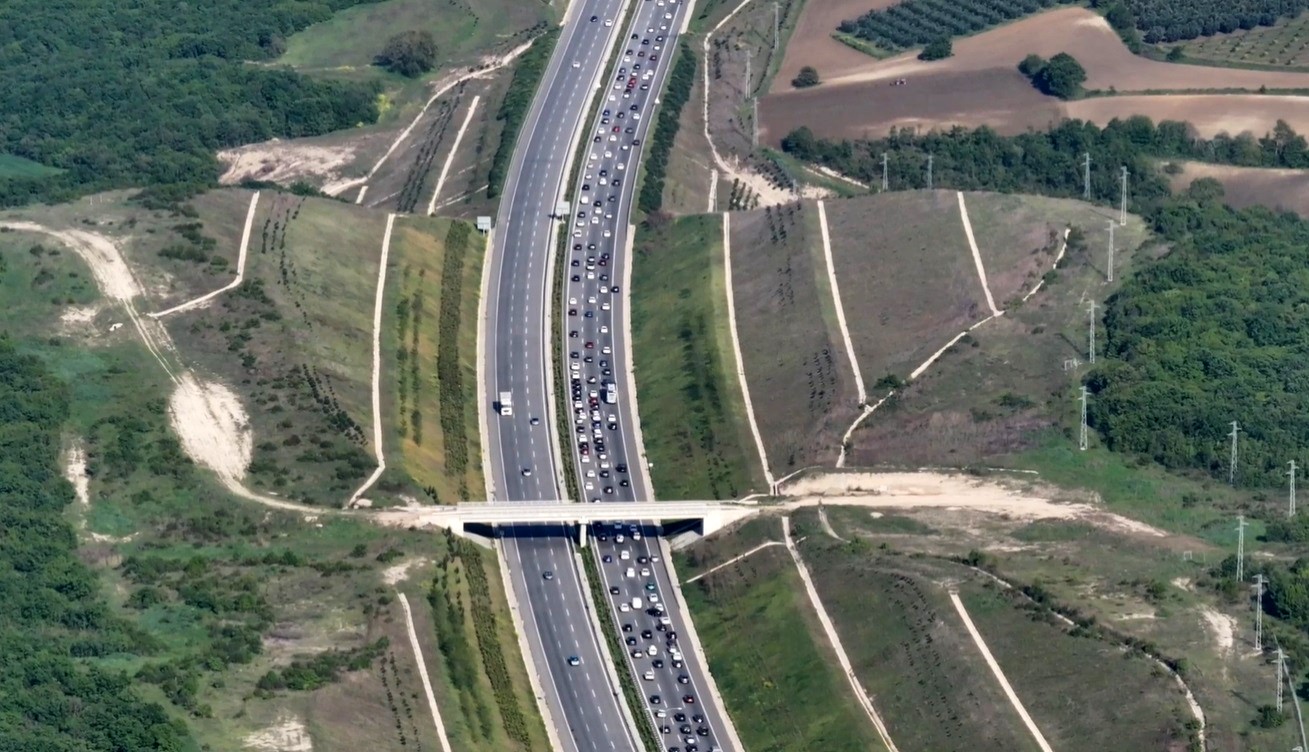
576,64
610,21
624,607
624,555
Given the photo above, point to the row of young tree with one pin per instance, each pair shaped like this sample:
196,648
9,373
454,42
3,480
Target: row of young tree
119,94
914,23
1175,20
1209,334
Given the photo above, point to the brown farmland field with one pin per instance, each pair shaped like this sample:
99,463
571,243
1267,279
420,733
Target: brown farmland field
797,367
907,278
812,42
1280,190
980,85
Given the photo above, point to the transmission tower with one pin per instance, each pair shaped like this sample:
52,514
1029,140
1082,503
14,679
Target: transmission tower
1086,176
929,172
1122,214
1081,437
1259,581
1240,547
1231,469
1290,509
1281,666
1110,272
1090,336
884,181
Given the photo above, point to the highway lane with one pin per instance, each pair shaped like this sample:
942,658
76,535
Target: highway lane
603,445
582,700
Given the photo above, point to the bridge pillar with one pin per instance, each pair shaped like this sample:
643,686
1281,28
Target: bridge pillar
581,534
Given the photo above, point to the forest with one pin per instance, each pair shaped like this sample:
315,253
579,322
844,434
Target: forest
120,94
1211,333
53,615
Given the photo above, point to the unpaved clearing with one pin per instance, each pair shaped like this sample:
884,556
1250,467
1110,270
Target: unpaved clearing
1223,628
938,490
286,161
111,274
211,424
398,573
78,316
287,734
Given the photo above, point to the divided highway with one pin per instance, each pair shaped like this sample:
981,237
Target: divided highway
522,448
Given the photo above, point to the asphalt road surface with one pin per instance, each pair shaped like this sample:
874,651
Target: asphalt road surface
582,699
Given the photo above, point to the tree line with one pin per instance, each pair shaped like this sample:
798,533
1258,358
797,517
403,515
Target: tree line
680,81
1211,333
120,94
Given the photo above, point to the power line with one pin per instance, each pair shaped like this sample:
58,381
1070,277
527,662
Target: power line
1240,547
1259,581
1110,268
1090,336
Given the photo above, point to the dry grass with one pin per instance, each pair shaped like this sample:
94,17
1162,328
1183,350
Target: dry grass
980,85
797,367
907,278
1252,186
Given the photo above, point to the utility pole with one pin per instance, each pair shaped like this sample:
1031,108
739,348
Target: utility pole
1259,581
1290,509
1122,214
1240,547
1231,470
1081,438
1086,176
1281,666
1090,336
884,182
929,172
1110,272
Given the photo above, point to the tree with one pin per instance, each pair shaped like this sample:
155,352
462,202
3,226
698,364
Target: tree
937,49
1176,54
808,76
1060,76
409,53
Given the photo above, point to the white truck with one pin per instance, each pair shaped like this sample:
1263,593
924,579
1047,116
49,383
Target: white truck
506,403
611,393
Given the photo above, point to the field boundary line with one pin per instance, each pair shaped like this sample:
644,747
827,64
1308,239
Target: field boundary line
736,349
996,670
732,561
240,267
977,257
377,365
449,158
422,672
835,639
836,298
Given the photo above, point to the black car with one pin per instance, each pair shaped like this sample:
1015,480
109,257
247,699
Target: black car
656,700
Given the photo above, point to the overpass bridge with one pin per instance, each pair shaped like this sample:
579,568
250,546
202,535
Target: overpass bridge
710,516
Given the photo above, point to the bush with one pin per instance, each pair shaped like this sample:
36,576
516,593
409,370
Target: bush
1060,76
937,49
409,53
808,76
651,198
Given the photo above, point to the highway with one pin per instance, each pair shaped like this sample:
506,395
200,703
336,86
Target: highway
581,699
522,451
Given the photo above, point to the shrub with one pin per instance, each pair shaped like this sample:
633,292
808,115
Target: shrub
808,76
937,49
409,53
1060,76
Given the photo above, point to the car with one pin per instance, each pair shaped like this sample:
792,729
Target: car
702,731
631,641
535,421
548,575
656,700
613,590
608,559
697,718
683,679
576,64
657,663
688,699
685,728
594,19
610,21
574,660
627,628
527,472
680,718
649,586
647,634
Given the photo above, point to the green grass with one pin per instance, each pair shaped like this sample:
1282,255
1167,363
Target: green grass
463,31
17,167
692,413
39,279
710,552
772,665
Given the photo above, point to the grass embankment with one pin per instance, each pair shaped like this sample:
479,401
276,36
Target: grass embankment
431,324
680,81
242,618
692,412
774,669
17,167
354,36
488,701
518,100
749,534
